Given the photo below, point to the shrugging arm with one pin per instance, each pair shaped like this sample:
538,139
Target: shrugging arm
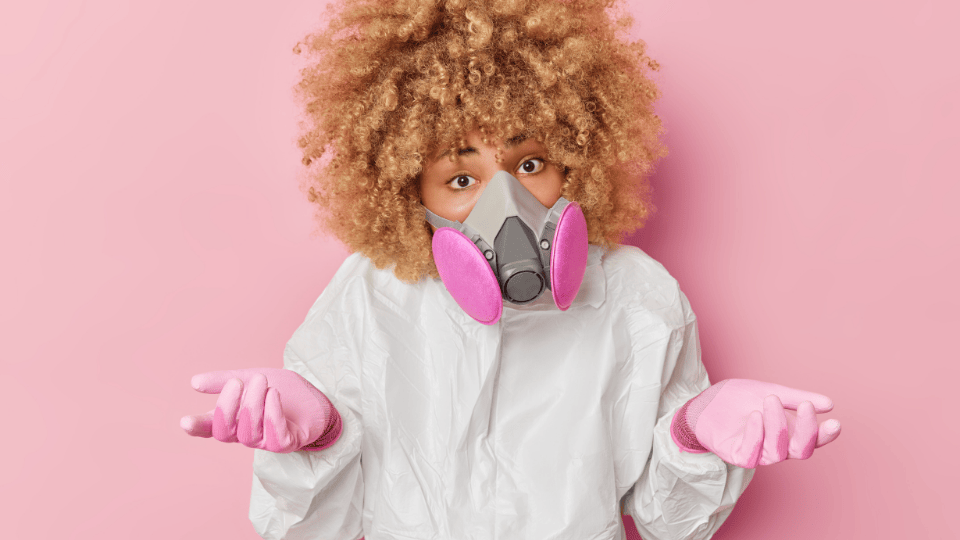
679,496
319,494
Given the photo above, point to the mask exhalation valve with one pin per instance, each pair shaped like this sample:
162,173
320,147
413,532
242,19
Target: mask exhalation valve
523,287
519,267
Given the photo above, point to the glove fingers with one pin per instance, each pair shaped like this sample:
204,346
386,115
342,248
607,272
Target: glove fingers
829,431
199,425
804,437
225,415
277,435
776,438
751,445
791,398
213,382
250,420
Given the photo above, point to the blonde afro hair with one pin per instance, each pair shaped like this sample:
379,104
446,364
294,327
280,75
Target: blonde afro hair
390,83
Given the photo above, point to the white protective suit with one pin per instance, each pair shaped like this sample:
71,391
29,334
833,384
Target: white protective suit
537,427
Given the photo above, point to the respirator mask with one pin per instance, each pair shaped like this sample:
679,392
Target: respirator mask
510,247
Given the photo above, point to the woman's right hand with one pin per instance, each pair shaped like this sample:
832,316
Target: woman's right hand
270,409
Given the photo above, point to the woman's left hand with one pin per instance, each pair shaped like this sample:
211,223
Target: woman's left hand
749,423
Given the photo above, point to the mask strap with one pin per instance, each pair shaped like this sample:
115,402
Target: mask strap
438,221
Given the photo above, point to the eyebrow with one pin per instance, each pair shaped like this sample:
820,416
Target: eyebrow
511,142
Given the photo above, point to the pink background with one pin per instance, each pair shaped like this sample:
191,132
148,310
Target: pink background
152,228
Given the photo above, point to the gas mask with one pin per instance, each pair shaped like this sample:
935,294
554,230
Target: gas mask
510,248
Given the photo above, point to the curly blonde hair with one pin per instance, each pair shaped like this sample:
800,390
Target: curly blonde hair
389,84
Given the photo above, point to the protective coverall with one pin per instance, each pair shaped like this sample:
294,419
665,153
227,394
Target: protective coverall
537,427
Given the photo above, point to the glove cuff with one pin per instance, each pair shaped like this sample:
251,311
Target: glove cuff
681,433
329,435
684,425
334,425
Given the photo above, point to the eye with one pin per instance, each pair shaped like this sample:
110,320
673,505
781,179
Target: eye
531,166
462,182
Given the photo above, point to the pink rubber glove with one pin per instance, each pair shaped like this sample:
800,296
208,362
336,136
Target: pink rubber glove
726,419
271,409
